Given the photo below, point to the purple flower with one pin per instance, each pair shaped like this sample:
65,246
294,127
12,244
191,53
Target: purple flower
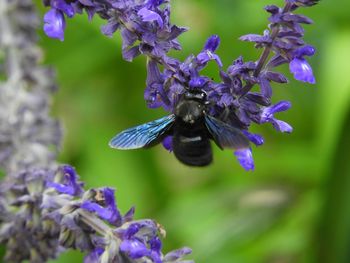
245,158
208,54
108,211
267,115
134,248
140,240
150,16
54,24
300,67
68,183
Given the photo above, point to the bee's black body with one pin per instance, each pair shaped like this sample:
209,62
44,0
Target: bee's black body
191,129
190,137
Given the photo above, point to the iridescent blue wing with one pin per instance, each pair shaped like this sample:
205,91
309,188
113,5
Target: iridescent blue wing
224,135
143,135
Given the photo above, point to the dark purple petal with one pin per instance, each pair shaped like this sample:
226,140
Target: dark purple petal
258,98
150,16
90,12
129,215
110,28
265,87
212,43
128,37
276,77
297,18
130,53
302,70
168,143
54,24
245,158
153,73
225,100
275,61
273,9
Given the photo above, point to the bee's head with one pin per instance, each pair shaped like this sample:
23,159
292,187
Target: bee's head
194,94
192,106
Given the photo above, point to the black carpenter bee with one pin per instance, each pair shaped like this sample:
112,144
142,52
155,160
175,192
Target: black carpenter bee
191,128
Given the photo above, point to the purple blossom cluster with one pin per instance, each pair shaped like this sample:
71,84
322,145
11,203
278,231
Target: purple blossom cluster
54,212
144,25
145,29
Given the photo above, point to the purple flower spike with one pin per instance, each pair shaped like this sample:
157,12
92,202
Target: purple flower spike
245,158
110,212
54,24
300,68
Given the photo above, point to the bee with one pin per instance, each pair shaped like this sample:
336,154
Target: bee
191,128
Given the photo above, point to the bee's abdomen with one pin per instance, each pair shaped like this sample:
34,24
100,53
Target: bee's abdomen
193,151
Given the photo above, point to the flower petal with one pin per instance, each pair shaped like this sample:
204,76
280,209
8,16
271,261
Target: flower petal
134,248
281,126
150,16
245,158
302,70
168,143
212,43
54,24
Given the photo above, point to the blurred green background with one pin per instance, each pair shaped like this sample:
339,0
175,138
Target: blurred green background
293,208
